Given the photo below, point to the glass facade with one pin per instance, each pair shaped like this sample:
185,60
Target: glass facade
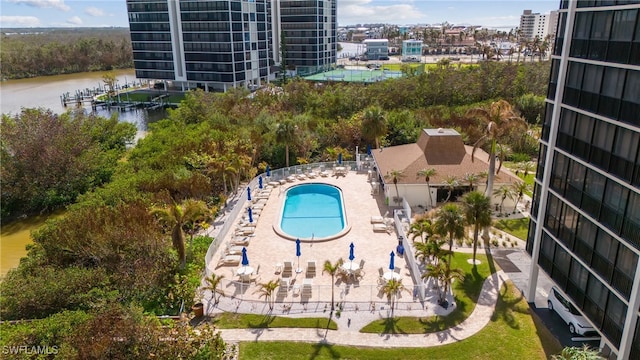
309,28
587,191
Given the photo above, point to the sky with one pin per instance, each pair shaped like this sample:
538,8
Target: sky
105,13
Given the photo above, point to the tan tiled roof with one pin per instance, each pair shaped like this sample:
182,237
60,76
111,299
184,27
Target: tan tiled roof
443,151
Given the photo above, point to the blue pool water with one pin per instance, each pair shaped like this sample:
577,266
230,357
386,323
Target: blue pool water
312,211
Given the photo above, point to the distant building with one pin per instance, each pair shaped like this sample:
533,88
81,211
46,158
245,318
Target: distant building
534,25
376,48
411,49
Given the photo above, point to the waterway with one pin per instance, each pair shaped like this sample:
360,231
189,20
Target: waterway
45,92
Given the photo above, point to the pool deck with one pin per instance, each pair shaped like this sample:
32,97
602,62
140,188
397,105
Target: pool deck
267,249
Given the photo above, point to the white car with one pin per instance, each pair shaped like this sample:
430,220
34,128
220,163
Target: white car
577,323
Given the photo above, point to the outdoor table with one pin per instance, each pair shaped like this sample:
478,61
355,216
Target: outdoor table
391,275
350,266
341,170
245,270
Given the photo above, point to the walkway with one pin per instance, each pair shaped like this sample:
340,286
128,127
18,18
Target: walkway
350,323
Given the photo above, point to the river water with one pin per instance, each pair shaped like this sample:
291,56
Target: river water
45,92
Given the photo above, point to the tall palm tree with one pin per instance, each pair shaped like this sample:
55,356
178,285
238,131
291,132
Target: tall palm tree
427,174
519,189
477,210
395,175
498,119
392,288
374,123
266,290
286,134
503,192
451,182
213,282
332,269
176,216
450,223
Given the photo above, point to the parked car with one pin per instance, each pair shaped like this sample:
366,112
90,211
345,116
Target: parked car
577,323
383,58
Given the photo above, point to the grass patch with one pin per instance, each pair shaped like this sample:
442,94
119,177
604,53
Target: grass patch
516,227
261,321
512,333
134,96
466,293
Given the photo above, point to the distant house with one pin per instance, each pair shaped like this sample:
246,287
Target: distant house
377,48
442,150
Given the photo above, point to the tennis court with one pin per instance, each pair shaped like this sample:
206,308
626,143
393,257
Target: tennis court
355,75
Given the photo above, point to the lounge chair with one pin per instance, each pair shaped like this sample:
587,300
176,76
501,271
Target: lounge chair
229,260
301,177
287,269
273,183
324,173
233,250
377,219
311,269
381,228
362,264
307,290
242,240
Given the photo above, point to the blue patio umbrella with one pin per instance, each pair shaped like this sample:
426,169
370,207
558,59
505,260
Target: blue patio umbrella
391,265
250,214
340,158
245,259
248,193
298,253
260,182
351,257
369,150
268,170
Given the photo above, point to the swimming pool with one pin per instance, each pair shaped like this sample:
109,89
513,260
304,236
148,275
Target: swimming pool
312,211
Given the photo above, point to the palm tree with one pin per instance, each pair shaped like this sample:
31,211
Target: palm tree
526,167
504,192
332,269
176,216
395,175
451,182
470,178
477,209
450,223
286,134
420,228
213,281
374,123
266,290
499,119
392,288
444,275
519,189
427,173
430,250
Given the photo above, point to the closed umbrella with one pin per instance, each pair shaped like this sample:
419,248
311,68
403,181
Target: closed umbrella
268,171
391,265
340,158
248,193
245,259
250,214
260,182
298,253
369,150
351,257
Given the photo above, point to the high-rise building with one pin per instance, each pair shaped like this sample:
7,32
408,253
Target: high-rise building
308,29
585,228
213,44
538,25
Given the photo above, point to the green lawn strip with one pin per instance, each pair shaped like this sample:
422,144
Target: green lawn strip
512,333
255,321
134,96
516,227
466,293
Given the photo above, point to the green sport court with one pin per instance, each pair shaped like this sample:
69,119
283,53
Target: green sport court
355,75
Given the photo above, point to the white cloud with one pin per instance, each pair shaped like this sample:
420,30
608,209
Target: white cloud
18,21
353,12
74,21
94,11
56,4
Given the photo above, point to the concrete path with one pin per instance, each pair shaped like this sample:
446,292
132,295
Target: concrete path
349,336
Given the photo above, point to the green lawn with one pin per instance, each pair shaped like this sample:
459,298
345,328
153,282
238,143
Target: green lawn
516,227
143,97
512,333
466,293
252,321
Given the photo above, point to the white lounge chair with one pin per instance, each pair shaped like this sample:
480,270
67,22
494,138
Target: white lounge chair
311,269
229,260
381,228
